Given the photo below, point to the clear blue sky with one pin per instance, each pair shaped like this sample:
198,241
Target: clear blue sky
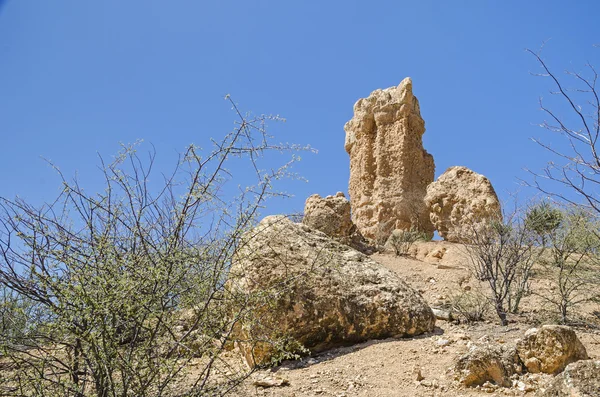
78,77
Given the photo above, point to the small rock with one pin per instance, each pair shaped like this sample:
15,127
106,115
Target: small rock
461,336
445,267
417,374
442,314
270,381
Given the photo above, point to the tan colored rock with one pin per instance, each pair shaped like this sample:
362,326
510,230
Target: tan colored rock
389,169
461,201
331,215
580,379
320,293
487,363
550,349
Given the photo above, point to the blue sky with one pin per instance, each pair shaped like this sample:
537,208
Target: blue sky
78,77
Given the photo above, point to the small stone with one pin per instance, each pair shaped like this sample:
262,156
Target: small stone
461,336
445,267
442,314
418,376
270,381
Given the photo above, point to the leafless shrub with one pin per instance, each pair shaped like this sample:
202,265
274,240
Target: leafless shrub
571,263
502,253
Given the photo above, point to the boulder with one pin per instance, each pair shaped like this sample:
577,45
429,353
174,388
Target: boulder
389,169
488,363
461,201
550,349
331,215
308,292
580,379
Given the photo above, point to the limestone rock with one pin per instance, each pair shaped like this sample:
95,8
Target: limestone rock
331,215
580,379
320,293
460,201
488,363
389,169
550,349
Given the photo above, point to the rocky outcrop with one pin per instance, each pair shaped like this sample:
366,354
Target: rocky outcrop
305,290
461,201
580,379
487,363
331,215
550,349
389,169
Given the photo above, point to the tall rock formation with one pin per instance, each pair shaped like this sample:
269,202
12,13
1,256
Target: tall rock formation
389,169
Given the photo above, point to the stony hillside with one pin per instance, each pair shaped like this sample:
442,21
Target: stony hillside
422,365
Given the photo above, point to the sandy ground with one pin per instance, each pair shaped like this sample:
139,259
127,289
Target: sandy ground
389,367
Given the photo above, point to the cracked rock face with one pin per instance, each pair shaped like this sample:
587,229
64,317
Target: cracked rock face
321,293
389,169
461,201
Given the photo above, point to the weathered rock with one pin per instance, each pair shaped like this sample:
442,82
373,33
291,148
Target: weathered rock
550,349
488,363
461,201
317,292
389,169
331,215
580,379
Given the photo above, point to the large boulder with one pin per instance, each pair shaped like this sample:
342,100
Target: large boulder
550,349
487,363
331,215
389,169
459,202
580,379
316,293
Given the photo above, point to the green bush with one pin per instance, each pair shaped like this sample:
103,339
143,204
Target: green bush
401,241
115,273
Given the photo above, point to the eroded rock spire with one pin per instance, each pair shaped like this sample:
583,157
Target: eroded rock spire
389,168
